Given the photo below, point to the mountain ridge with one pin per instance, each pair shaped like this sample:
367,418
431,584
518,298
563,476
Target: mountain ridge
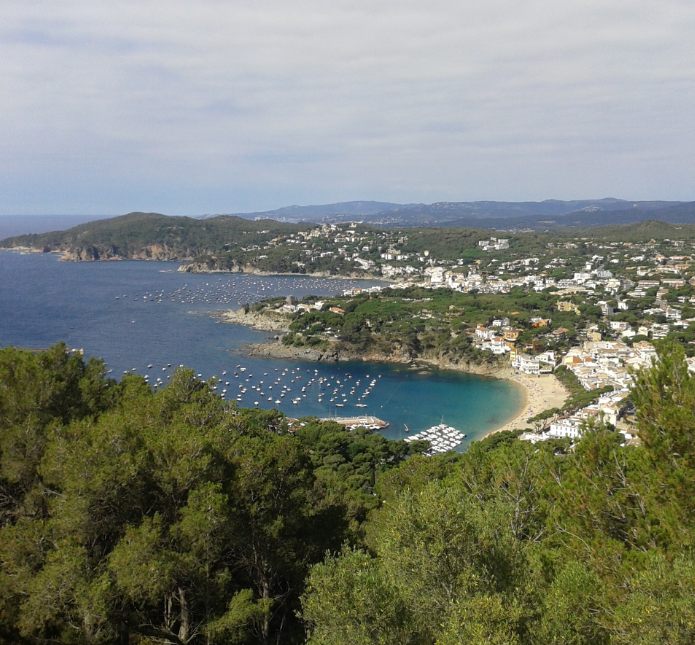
443,213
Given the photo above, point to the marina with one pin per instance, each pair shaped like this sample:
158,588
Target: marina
442,438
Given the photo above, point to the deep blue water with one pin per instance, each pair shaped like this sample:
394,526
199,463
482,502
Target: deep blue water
134,314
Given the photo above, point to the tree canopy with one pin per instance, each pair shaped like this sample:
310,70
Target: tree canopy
134,516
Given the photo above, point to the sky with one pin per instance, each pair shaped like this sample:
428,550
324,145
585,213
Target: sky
195,107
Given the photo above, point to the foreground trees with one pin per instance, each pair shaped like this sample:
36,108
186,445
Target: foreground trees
128,516
530,544
168,517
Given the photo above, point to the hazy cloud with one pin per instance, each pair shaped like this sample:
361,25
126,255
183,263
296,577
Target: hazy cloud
192,107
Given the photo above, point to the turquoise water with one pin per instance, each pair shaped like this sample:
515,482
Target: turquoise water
135,314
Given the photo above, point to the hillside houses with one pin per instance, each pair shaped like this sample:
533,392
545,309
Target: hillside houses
494,244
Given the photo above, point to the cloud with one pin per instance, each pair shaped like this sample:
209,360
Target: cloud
189,107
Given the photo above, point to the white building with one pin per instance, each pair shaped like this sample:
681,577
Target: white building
435,274
527,364
565,428
619,325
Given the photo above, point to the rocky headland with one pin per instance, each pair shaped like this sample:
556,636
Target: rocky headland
265,320
275,321
92,253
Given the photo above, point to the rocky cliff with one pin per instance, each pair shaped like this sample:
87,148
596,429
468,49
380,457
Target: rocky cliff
337,352
93,253
266,320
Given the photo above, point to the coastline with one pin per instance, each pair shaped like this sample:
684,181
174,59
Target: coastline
249,270
540,393
156,255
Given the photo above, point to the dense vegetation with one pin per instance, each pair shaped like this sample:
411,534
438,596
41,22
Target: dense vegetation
128,516
229,243
431,323
530,544
154,235
168,517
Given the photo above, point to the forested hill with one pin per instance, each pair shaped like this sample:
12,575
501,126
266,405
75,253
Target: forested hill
154,236
134,516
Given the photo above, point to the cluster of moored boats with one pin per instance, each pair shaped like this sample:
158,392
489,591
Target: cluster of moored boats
233,291
442,438
272,390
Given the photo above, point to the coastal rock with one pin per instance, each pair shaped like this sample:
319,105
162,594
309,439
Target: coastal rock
204,267
277,350
267,320
94,253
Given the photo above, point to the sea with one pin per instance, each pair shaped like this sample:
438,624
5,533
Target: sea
147,318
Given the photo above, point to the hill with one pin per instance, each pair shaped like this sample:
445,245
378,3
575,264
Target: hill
320,212
465,214
585,218
153,236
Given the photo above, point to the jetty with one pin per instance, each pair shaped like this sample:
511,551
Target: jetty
369,422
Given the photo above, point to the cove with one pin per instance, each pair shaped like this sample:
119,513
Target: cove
134,314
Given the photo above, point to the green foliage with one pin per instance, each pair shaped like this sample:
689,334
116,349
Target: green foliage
579,397
130,515
137,516
149,234
426,323
496,439
527,544
440,558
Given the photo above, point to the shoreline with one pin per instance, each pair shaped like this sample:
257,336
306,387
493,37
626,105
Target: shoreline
68,256
270,274
539,393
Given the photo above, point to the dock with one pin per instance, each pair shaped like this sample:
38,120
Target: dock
370,422
442,438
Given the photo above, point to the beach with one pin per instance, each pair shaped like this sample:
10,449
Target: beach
540,393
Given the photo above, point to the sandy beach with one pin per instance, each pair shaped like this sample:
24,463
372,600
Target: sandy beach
541,393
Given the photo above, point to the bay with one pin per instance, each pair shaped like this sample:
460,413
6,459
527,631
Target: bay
134,314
